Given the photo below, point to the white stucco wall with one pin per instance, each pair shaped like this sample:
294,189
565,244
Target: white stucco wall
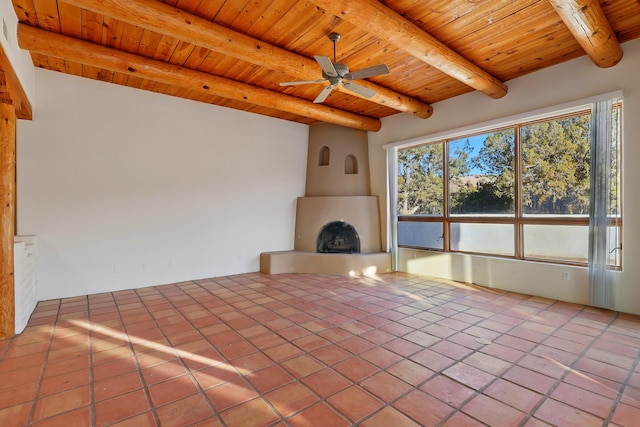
127,188
576,79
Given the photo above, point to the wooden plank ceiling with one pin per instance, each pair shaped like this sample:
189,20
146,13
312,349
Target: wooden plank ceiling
234,53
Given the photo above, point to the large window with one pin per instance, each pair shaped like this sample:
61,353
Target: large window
521,191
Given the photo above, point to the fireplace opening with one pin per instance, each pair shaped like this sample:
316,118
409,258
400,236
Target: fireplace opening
338,237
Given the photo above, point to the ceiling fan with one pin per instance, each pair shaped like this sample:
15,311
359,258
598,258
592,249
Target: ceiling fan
336,73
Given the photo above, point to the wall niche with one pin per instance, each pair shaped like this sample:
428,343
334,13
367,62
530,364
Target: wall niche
323,156
350,165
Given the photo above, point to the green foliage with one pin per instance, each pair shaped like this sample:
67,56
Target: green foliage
615,197
420,188
459,162
555,166
555,172
487,197
493,191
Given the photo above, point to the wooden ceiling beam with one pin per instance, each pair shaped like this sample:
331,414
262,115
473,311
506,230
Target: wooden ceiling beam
373,16
170,21
590,27
56,45
17,95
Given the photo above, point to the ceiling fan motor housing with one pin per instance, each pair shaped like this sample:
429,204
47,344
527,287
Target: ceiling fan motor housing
341,69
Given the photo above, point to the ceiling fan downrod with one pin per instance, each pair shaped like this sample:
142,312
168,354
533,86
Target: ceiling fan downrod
334,37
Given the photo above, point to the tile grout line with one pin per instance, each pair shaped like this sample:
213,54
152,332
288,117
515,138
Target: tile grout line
413,388
240,375
217,413
326,366
479,391
92,397
624,386
284,296
476,392
190,373
407,358
44,366
134,355
358,383
569,369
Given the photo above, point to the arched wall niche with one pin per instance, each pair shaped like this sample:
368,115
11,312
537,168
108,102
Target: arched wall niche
324,156
351,165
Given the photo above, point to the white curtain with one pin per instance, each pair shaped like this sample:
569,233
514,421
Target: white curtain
603,146
392,219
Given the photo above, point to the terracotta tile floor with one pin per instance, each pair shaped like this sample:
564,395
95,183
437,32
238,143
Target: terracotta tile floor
315,350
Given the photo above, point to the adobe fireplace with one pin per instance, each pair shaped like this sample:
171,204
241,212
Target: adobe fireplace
337,229
338,237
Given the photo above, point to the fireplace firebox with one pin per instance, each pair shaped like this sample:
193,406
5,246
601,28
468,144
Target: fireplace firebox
338,237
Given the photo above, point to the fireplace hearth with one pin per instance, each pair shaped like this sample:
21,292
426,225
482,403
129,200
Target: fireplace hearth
338,237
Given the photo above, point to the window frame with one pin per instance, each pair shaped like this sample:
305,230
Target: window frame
517,219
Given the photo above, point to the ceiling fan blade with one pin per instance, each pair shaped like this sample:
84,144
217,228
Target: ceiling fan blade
360,90
326,65
323,95
301,82
376,70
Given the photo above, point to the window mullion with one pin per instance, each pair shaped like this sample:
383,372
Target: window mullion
446,225
517,196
